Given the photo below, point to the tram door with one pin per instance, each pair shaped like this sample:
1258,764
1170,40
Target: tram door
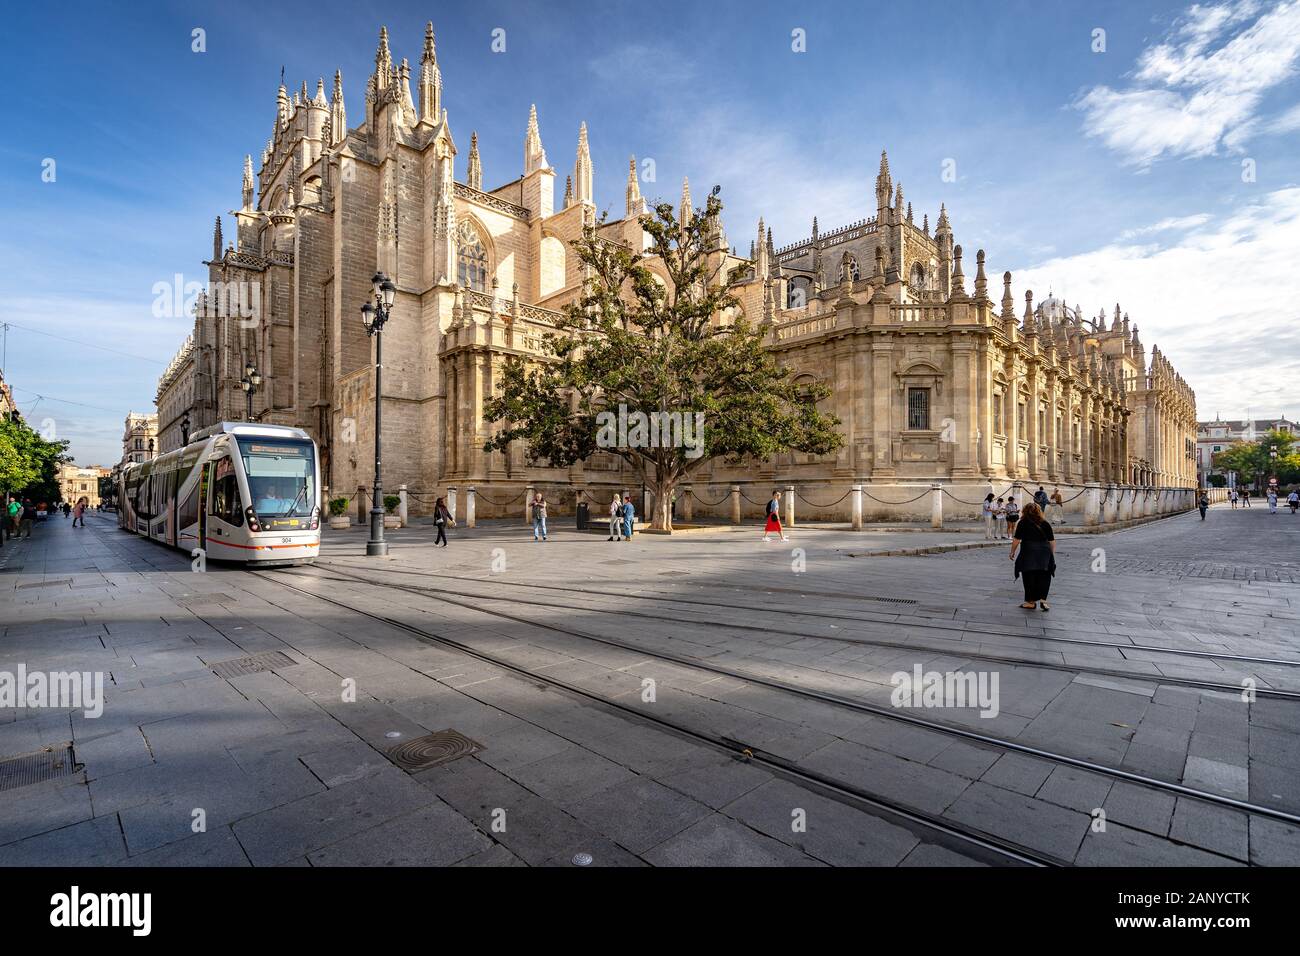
225,512
204,472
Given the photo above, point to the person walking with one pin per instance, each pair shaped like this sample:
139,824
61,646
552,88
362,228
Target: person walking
1272,500
1040,499
1232,497
1293,501
28,518
774,518
1058,506
615,519
989,511
66,509
15,516
999,515
1245,497
1013,515
1203,504
1033,550
441,519
539,517
629,516
79,512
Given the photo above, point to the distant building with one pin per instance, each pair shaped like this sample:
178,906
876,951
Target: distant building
76,481
7,407
140,440
1220,434
179,395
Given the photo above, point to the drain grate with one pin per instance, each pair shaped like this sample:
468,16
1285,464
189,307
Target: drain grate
215,597
49,763
432,750
256,664
872,597
44,584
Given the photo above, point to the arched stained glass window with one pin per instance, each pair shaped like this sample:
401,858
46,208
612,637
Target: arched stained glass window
471,258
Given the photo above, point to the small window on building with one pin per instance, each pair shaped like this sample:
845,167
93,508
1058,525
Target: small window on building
1020,421
918,408
997,414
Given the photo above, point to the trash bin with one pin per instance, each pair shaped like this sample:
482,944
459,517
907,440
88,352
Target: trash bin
584,516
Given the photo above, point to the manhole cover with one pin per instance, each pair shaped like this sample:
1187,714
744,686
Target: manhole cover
48,763
44,584
582,859
421,753
257,664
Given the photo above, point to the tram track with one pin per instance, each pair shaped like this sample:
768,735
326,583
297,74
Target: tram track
802,692
867,617
1199,683
961,838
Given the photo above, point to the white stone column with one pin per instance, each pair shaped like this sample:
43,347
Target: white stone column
735,504
401,507
936,505
451,501
1092,504
789,506
469,507
857,507
528,503
687,499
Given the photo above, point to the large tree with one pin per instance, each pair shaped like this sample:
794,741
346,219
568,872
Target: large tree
640,354
29,463
1254,461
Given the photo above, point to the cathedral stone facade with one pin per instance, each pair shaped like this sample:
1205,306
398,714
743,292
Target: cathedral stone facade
934,383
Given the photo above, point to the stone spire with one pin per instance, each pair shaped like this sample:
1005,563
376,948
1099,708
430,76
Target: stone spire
474,174
338,114
319,98
282,106
925,223
248,182
883,183
582,171
687,211
634,201
1008,302
981,280
216,241
1028,321
958,279
430,80
762,266
568,192
898,202
408,104
383,64
534,154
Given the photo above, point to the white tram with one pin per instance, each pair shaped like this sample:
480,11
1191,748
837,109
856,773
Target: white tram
240,492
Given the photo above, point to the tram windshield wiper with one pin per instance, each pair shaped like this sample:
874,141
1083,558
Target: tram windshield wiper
294,506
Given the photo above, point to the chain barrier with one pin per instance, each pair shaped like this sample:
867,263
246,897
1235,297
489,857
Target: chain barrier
907,502
752,501
813,504
709,504
509,501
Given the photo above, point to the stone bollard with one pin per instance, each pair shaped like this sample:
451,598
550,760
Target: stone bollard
451,501
1092,505
936,506
687,497
363,505
469,507
1110,506
789,506
401,507
528,504
857,507
735,504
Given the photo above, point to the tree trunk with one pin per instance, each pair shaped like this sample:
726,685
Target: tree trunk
662,520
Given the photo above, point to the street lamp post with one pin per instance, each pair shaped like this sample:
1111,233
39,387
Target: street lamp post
151,446
249,383
373,319
185,430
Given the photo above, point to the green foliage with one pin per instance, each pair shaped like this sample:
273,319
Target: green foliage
655,347
338,507
390,503
1253,463
29,465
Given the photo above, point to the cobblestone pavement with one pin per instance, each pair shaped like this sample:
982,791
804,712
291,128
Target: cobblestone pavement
291,766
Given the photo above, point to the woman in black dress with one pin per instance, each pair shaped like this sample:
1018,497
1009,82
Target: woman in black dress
1036,561
441,518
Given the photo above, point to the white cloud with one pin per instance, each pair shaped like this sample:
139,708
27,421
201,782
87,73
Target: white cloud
1218,301
1201,87
1167,225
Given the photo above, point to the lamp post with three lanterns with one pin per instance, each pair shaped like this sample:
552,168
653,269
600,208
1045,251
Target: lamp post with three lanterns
373,319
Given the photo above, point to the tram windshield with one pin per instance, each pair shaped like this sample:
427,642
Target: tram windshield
281,476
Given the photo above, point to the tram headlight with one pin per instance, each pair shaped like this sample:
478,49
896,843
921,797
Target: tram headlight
315,519
251,517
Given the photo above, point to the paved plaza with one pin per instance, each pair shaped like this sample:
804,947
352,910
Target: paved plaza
705,699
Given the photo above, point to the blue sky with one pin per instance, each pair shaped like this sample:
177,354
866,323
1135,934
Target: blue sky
1104,176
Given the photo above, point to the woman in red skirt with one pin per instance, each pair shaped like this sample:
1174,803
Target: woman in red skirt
774,517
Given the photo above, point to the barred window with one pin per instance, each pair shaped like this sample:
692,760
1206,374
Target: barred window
471,259
918,408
